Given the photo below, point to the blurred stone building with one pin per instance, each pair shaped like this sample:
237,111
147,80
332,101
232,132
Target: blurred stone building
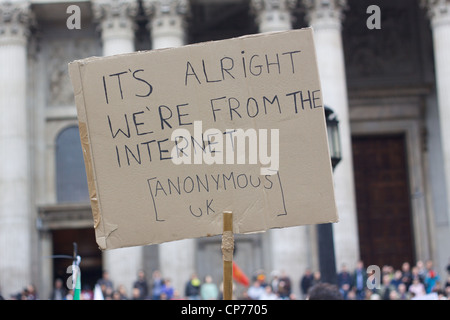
389,87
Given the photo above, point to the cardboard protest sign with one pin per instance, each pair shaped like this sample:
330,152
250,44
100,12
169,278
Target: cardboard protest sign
174,137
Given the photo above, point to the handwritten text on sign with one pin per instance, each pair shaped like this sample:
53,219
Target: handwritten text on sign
187,133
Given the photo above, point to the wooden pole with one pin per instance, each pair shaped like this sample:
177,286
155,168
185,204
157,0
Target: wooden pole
227,255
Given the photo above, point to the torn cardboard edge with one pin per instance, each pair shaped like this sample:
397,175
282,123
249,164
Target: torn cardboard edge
256,35
75,76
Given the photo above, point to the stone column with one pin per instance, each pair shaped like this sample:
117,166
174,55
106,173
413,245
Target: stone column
15,213
289,247
177,259
167,24
273,15
116,19
325,16
439,14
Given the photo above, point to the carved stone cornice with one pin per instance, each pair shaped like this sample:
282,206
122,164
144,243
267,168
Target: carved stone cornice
115,16
158,8
325,13
166,13
166,19
260,5
64,216
438,11
273,11
15,18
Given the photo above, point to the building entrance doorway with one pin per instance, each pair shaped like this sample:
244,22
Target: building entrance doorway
383,200
91,256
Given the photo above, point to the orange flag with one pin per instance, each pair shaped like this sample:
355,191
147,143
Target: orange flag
239,276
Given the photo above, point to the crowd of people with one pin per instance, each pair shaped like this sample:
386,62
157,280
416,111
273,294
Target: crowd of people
419,281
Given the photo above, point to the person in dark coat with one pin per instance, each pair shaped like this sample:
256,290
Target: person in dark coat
141,284
306,281
59,292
